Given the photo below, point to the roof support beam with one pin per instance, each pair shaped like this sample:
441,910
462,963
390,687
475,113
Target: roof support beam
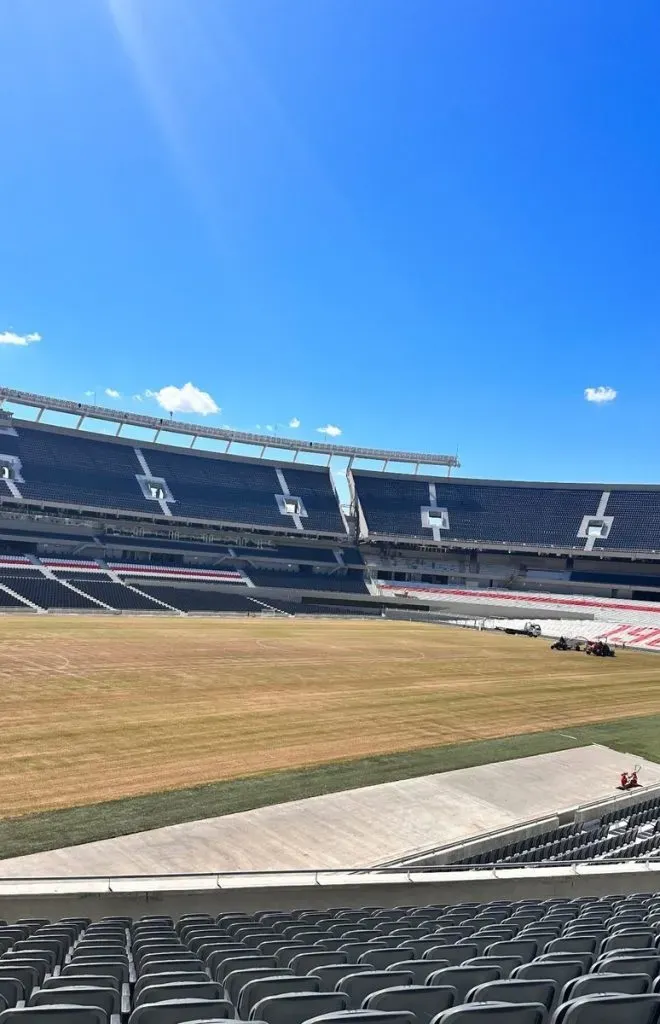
165,426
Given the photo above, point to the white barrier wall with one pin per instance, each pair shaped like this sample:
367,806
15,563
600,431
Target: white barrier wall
135,897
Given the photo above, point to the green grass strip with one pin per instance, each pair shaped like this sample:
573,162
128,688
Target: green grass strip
53,829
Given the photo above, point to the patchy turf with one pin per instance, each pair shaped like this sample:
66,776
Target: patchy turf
96,710
72,826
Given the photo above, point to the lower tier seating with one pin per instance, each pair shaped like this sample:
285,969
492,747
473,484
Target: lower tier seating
307,581
47,593
633,831
586,960
118,596
191,600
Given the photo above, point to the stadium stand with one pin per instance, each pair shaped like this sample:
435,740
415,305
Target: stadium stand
47,593
307,581
68,468
117,596
570,961
567,516
189,599
633,831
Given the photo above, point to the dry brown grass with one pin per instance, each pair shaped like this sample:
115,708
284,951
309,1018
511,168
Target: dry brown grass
96,709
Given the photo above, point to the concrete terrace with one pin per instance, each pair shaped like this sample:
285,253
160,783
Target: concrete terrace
357,828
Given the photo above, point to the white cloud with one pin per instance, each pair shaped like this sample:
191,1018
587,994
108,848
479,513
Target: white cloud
270,428
112,393
10,338
294,422
185,399
330,429
89,394
600,394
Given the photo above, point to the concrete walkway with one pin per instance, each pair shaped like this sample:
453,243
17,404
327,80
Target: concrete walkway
358,828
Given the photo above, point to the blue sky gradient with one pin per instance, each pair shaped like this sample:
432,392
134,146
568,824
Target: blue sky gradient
432,224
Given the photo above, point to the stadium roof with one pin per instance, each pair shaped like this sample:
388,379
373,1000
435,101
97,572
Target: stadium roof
168,426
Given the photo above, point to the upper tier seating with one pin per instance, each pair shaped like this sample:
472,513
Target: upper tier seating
632,831
79,469
537,515
528,962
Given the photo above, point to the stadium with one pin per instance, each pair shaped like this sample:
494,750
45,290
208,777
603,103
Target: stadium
329,512
309,757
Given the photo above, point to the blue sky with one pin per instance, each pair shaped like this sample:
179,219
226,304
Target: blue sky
430,223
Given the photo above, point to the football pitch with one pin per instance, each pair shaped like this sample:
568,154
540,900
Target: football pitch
102,709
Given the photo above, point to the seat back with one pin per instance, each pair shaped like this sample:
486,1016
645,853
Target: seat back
455,955
179,990
425,1001
514,990
78,995
419,969
493,1013
464,978
167,978
297,1007
608,1009
54,1014
179,1011
358,986
255,990
606,984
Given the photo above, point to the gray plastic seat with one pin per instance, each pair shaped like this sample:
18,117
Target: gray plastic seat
381,959
260,988
61,1014
576,944
297,1007
365,1017
305,963
78,995
586,959
117,968
606,1009
11,990
425,1001
358,986
493,1013
235,981
166,978
179,990
559,971
606,984
526,949
20,972
419,969
506,964
39,967
630,965
464,978
157,966
243,963
355,949
330,975
629,940
455,955
177,1011
420,947
515,990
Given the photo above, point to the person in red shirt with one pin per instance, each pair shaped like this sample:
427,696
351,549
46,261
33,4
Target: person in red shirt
624,780
632,781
